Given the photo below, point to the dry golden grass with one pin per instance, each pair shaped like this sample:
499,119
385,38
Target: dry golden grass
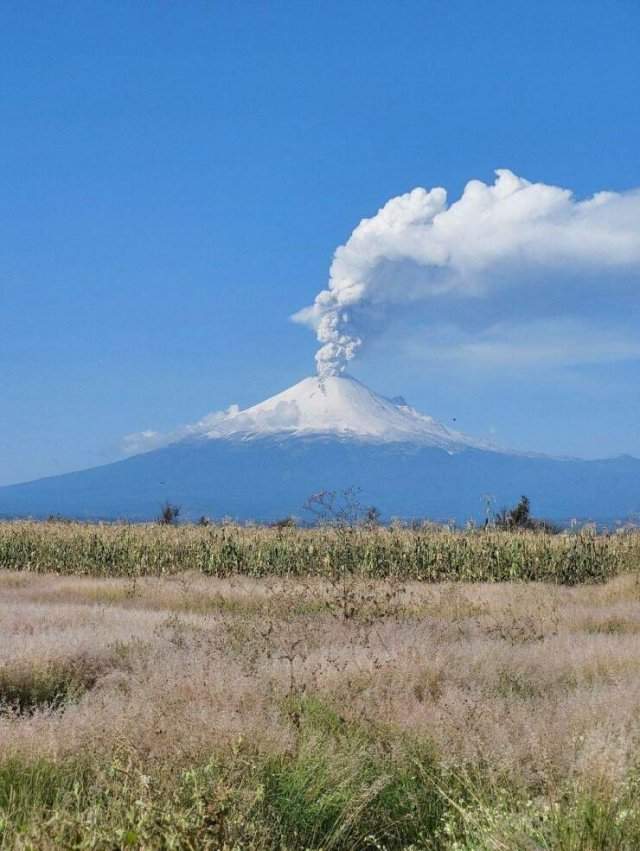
535,682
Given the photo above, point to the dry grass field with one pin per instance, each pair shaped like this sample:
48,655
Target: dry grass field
319,712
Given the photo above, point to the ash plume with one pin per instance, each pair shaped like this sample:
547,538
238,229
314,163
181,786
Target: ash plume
496,238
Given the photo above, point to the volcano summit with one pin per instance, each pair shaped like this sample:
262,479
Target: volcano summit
339,407
330,433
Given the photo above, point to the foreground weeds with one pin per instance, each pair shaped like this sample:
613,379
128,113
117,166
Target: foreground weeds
337,712
334,791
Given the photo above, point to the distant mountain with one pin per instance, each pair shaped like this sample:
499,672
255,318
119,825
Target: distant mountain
263,462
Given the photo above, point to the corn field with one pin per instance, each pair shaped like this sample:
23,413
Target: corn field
429,554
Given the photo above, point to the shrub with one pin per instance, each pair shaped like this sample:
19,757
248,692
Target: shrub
169,514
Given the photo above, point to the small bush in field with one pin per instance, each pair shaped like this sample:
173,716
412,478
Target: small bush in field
520,517
169,514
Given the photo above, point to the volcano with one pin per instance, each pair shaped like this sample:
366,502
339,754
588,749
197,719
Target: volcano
341,408
331,433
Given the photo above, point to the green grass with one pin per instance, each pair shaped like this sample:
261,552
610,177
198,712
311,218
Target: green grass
340,787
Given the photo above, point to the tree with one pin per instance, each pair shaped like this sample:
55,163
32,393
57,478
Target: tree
284,523
169,514
519,517
342,509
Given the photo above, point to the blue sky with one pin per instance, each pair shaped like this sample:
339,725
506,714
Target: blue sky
177,176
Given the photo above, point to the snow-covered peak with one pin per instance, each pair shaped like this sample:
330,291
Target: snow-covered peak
340,406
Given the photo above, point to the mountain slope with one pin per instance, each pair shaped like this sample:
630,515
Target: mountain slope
341,407
263,463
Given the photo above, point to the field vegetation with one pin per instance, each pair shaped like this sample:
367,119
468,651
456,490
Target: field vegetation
424,553
247,688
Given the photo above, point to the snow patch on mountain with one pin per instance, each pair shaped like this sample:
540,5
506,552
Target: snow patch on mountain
339,406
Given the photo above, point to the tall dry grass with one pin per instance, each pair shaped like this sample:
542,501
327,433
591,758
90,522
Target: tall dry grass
311,712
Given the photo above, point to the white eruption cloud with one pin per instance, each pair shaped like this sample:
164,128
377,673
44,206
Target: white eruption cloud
512,234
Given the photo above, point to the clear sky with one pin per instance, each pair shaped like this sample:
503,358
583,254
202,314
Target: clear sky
177,175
